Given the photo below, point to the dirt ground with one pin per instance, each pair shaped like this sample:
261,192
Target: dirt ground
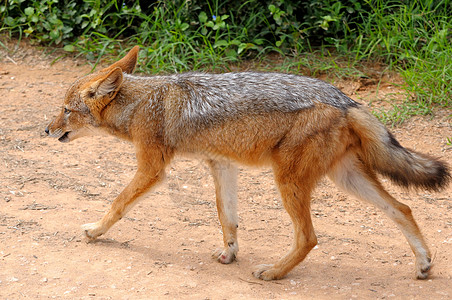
162,249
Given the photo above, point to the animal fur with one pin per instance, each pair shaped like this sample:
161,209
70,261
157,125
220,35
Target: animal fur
302,127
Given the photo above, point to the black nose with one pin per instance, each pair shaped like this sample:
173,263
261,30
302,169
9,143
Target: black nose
47,130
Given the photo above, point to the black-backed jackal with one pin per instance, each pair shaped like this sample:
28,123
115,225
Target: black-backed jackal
302,127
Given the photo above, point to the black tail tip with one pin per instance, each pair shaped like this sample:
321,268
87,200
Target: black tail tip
440,179
434,178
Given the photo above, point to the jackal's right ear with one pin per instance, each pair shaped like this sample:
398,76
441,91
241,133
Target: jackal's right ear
101,90
127,63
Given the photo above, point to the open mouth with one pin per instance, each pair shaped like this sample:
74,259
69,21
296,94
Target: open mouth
64,138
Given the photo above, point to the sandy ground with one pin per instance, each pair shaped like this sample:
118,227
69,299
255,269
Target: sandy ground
162,249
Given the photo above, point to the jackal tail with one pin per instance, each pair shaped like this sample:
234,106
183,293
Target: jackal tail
383,153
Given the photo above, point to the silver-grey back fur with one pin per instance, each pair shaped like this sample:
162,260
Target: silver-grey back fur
207,99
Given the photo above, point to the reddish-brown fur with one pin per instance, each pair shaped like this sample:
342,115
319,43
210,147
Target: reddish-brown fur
348,145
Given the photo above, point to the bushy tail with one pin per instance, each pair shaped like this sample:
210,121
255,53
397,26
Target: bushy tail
383,153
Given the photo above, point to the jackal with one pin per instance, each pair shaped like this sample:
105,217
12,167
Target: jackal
302,127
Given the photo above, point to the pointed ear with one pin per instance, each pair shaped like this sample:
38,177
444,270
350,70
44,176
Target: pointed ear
108,84
127,63
101,90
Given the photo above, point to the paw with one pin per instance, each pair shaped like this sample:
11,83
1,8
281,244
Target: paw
423,267
223,256
92,230
226,255
267,272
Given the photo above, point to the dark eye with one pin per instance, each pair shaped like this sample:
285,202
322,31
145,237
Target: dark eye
67,111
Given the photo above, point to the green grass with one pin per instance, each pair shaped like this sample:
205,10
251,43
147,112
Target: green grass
449,141
172,43
421,54
415,40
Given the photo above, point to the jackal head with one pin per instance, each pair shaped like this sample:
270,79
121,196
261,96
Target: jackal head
86,99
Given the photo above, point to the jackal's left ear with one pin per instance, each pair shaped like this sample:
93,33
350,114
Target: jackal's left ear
100,91
128,62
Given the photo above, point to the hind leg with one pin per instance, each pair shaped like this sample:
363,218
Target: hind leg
295,194
355,178
225,179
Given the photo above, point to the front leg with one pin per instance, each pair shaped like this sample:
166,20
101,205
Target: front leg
150,172
225,178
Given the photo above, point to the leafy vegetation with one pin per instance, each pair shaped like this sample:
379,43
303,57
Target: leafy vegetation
411,37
